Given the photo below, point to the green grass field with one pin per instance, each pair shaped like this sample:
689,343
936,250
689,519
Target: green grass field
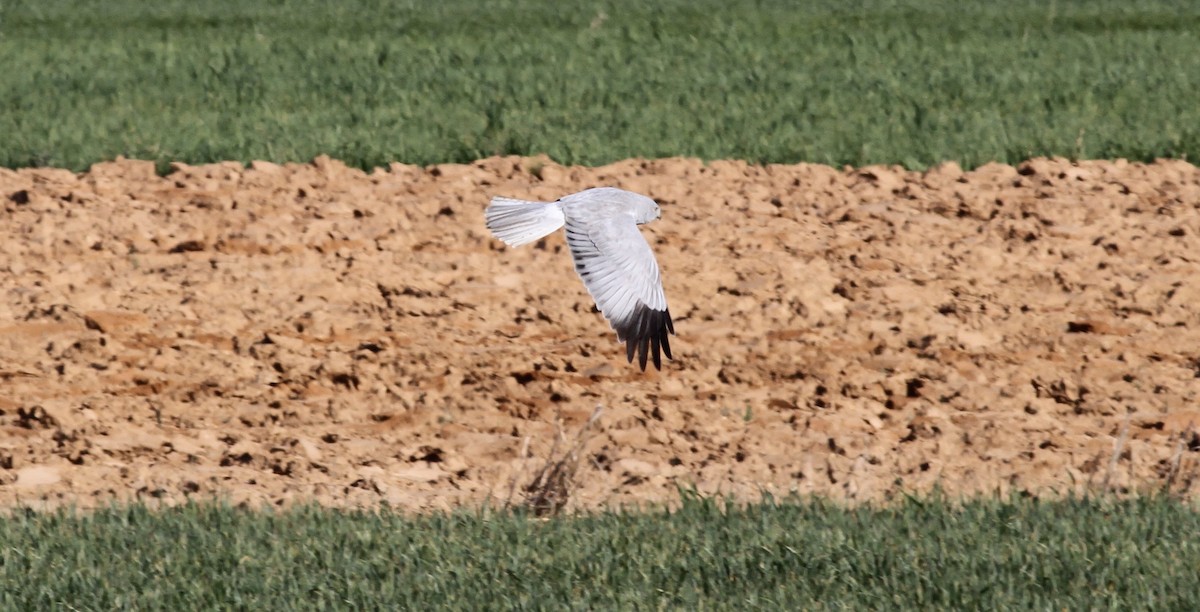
370,82
1018,555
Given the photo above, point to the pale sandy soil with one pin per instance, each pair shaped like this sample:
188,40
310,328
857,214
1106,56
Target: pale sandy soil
310,332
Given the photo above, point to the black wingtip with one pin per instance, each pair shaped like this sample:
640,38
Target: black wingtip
646,333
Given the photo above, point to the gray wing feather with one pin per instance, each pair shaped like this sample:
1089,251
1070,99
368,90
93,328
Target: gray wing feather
619,271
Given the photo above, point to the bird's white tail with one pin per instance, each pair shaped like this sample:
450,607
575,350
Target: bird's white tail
518,222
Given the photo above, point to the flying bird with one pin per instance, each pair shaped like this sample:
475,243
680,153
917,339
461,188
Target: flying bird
611,257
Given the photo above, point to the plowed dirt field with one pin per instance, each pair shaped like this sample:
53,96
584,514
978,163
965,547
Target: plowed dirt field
276,334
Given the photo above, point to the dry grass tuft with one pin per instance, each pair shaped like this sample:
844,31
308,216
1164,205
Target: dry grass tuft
550,489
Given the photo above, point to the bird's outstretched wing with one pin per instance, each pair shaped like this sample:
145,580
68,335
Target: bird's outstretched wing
619,271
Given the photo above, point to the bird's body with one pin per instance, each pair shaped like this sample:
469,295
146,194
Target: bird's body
611,257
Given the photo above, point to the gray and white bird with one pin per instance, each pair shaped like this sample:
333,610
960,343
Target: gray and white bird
611,256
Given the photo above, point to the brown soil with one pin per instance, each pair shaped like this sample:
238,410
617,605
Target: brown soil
311,332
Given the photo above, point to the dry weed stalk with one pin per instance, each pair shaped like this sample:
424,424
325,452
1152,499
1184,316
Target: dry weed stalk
1116,456
1186,438
550,490
1177,469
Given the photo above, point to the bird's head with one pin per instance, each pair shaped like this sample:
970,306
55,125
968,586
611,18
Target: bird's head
646,209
